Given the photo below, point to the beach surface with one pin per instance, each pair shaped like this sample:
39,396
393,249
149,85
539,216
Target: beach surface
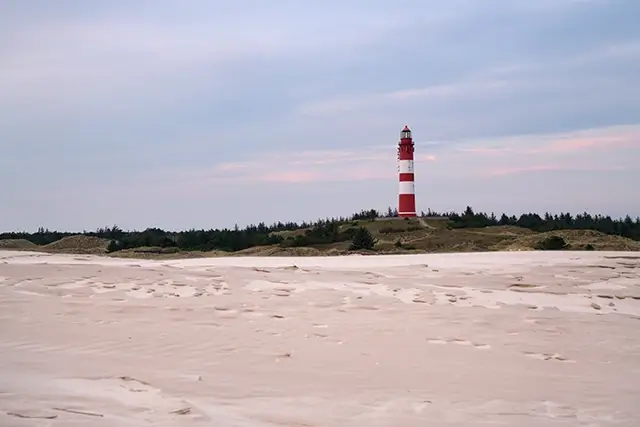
493,339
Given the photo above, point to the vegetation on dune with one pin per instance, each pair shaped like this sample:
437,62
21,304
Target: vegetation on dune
362,239
361,231
552,243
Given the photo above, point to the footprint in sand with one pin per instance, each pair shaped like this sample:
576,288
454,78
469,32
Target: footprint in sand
319,335
224,308
218,288
363,307
283,291
482,346
548,356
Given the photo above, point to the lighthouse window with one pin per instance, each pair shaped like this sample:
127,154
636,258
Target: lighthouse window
406,134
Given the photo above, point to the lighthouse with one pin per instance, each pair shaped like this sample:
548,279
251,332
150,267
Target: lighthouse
407,190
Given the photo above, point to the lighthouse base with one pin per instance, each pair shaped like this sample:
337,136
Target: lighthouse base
407,205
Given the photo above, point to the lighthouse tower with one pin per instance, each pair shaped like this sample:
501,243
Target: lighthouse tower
407,193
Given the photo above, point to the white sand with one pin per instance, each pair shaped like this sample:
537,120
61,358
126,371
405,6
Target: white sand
427,340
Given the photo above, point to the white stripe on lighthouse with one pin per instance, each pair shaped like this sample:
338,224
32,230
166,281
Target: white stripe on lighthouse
407,187
406,166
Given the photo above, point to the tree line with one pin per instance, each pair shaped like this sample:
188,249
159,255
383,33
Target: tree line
625,227
327,230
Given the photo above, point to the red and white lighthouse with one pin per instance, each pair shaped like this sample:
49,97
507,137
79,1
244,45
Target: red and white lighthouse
407,190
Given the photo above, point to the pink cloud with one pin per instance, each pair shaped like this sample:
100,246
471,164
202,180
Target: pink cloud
550,167
574,142
232,166
581,144
368,173
486,151
315,166
358,174
519,169
293,177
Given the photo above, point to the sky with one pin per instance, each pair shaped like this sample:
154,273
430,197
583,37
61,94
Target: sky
204,113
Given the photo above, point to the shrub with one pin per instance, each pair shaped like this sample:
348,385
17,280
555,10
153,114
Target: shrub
113,246
346,235
552,243
589,247
295,242
362,239
273,239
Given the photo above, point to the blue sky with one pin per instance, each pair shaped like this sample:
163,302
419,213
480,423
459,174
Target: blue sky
210,113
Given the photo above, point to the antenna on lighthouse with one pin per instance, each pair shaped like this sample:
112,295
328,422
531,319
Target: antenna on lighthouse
407,191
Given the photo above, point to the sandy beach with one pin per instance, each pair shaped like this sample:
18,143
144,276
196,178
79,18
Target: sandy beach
504,339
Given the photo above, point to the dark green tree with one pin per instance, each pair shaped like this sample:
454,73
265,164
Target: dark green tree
113,246
552,243
362,239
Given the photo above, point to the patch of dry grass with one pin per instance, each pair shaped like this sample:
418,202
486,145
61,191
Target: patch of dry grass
504,230
18,244
577,240
275,250
458,240
164,253
78,244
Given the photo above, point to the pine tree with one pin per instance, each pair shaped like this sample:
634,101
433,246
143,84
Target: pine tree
362,239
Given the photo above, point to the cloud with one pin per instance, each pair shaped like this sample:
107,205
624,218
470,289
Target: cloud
470,87
518,170
552,167
492,81
302,167
290,177
583,141
625,139
601,149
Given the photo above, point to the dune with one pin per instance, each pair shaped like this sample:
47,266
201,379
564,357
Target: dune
513,339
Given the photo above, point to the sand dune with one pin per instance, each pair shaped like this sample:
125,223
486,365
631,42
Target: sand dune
512,339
